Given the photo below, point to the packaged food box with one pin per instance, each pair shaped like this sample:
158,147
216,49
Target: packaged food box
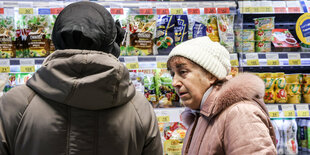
244,35
263,35
284,41
246,46
264,23
263,46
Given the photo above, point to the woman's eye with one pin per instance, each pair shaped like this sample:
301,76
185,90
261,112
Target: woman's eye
183,72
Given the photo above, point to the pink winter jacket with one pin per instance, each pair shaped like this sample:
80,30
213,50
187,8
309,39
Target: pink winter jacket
232,121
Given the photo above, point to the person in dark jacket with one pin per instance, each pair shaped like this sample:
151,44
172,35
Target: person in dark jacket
81,101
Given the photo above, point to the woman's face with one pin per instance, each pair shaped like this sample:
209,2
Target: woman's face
189,80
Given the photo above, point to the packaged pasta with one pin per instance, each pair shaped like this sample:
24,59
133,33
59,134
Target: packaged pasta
226,31
181,29
174,134
7,36
165,34
269,88
149,86
280,88
142,32
264,23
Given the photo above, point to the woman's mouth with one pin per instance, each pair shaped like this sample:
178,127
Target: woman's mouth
182,94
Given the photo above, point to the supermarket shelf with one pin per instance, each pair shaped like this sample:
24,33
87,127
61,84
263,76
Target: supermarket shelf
139,7
288,110
274,7
276,59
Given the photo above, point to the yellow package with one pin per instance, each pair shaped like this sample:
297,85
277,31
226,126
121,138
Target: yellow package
306,93
212,29
293,78
269,88
306,78
293,93
280,88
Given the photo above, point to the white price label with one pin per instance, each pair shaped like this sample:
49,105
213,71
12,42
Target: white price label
302,107
279,4
289,107
26,62
251,56
5,62
272,108
161,58
292,4
293,55
233,56
131,59
272,56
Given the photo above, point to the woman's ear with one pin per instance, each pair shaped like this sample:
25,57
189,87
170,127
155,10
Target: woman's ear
212,79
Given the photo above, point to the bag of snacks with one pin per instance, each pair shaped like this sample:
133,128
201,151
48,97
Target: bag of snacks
226,31
165,34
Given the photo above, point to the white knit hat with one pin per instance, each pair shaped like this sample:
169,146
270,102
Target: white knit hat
210,55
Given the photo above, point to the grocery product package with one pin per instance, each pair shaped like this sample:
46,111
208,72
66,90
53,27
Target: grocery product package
226,32
203,25
165,39
136,77
166,94
49,33
7,36
293,87
269,81
174,134
264,23
142,30
278,129
181,29
280,88
306,88
262,46
39,44
122,19
303,135
290,137
149,86
284,41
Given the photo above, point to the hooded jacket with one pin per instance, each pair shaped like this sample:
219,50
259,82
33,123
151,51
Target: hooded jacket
76,103
232,121
81,101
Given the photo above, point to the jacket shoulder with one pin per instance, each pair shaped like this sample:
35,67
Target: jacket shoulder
12,107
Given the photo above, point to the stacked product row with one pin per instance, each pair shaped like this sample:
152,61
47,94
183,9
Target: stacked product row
293,136
264,36
286,88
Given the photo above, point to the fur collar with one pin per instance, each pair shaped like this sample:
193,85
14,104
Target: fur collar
243,87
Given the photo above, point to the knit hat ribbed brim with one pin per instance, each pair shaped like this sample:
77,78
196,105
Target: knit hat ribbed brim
210,55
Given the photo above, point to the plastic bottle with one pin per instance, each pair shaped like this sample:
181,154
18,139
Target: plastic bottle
303,135
308,133
278,128
290,136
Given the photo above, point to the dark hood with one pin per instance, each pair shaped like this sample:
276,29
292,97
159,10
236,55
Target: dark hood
84,79
87,26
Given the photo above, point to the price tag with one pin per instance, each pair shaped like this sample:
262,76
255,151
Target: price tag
294,9
146,11
44,11
25,11
163,119
162,61
272,59
288,110
210,10
234,60
1,10
161,11
27,69
4,69
280,10
5,66
273,110
246,9
117,11
177,11
193,11
131,62
265,9
223,10
302,110
294,59
252,59
56,11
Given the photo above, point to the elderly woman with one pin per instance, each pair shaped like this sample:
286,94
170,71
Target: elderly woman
224,115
